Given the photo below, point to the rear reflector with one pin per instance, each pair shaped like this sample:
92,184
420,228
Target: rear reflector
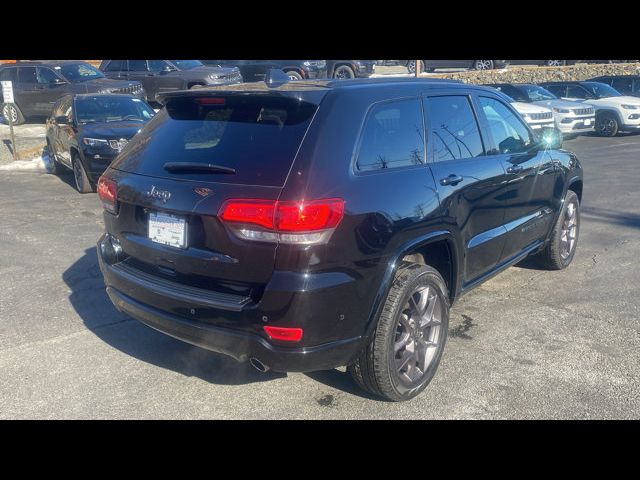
108,193
284,334
307,222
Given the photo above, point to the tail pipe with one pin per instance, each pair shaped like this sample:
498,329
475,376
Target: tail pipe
258,365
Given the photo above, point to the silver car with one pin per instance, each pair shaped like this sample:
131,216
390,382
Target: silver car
571,118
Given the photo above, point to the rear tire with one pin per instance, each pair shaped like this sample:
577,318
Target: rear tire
407,345
483,65
555,63
83,185
411,67
607,125
563,241
11,110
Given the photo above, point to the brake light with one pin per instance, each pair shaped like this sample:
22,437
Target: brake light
284,334
307,222
108,193
210,100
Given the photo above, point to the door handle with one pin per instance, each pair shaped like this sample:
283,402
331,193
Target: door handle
452,179
515,169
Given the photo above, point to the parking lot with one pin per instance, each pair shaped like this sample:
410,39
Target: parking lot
527,344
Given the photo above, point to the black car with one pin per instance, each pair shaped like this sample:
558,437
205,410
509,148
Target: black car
85,133
345,69
38,85
431,65
625,84
309,225
256,70
542,63
161,76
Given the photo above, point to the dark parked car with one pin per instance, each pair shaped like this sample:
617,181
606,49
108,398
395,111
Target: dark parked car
345,69
625,84
161,76
308,225
38,85
542,63
86,132
256,70
431,65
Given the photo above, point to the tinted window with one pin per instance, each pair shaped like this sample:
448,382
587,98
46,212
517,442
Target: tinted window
256,135
600,90
557,90
513,92
535,93
576,91
9,74
187,64
509,133
114,66
392,136
46,75
454,128
623,84
137,65
114,108
27,75
157,65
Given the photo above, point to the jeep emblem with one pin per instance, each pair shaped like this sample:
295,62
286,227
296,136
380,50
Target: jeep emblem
163,195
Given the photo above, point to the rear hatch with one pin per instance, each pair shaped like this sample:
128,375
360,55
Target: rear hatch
176,174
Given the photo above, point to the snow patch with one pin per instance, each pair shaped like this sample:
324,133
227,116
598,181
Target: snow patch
38,164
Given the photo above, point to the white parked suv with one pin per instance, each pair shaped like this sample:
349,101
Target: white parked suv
614,112
536,116
572,118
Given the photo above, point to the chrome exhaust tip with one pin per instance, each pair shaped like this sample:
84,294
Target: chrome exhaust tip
258,365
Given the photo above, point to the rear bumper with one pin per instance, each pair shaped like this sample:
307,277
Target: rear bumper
229,324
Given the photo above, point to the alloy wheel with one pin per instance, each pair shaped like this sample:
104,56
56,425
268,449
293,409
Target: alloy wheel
9,112
483,64
77,174
417,336
569,231
554,63
606,126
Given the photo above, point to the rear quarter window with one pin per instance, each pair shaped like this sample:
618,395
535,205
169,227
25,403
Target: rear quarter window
258,136
392,136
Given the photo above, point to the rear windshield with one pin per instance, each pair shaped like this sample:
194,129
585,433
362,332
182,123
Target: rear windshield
258,136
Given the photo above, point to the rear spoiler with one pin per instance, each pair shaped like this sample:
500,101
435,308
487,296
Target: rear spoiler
311,96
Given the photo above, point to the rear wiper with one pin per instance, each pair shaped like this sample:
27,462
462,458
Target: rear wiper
197,167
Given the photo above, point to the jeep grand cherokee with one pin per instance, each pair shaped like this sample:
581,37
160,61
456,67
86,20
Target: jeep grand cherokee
309,225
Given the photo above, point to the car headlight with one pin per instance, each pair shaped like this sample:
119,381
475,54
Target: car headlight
630,107
315,63
561,110
94,142
524,115
213,76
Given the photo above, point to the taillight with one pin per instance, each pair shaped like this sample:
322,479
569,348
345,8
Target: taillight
108,193
284,334
308,222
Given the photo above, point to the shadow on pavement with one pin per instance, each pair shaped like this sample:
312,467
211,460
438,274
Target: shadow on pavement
605,215
90,300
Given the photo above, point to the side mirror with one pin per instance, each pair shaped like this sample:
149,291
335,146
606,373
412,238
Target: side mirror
57,81
550,138
62,120
166,69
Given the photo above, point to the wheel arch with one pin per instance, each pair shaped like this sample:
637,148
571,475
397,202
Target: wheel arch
613,111
427,250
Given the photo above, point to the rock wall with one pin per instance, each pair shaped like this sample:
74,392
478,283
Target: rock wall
532,74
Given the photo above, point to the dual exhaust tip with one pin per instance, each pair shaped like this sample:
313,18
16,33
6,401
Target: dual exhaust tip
258,365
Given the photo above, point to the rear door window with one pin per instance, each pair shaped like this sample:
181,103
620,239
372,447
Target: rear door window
393,136
454,128
9,74
137,65
27,75
256,135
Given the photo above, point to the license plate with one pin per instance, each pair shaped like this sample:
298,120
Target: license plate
587,122
167,229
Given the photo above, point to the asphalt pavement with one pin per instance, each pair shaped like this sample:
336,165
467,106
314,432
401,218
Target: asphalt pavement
527,344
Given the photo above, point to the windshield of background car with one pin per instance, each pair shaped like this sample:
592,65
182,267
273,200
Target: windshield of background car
187,64
112,109
79,72
601,90
536,93
257,135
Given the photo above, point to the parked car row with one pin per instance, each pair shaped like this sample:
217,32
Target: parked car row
431,65
581,106
38,85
